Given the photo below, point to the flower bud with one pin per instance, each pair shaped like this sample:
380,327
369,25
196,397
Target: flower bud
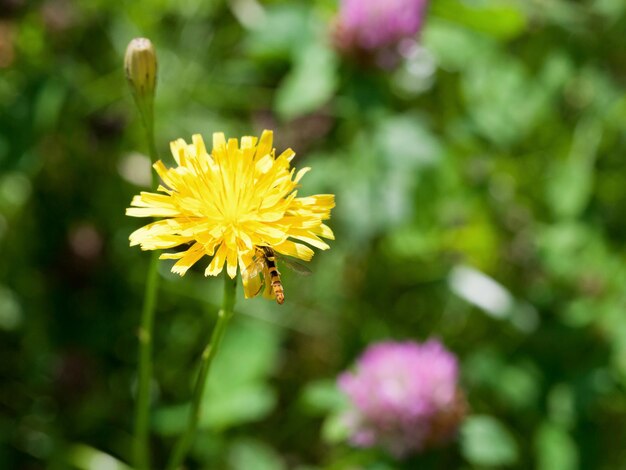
140,64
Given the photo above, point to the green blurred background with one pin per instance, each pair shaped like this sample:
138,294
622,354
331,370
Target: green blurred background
480,193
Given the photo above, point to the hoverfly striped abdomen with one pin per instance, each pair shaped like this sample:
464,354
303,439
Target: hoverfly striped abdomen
277,285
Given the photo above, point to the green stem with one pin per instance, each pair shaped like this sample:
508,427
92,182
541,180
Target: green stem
184,442
141,452
147,118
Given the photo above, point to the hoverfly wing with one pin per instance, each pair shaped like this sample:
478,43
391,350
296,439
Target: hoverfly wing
254,268
261,286
250,272
298,268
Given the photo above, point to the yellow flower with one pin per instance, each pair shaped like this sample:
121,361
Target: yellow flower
226,203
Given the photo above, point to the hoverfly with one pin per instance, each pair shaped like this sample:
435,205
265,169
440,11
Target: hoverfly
264,261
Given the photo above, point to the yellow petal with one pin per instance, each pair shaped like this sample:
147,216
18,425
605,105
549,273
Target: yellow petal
178,148
151,212
325,231
301,173
192,255
233,146
264,164
219,140
231,263
217,263
287,155
311,240
198,143
265,144
178,255
296,250
248,142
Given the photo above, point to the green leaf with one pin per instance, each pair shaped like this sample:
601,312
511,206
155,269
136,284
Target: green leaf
502,98
562,405
482,365
285,29
555,449
334,429
580,312
407,143
322,396
11,315
518,386
243,404
612,9
245,454
249,352
561,245
238,406
310,84
486,442
502,19
570,189
454,48
170,420
84,457
236,390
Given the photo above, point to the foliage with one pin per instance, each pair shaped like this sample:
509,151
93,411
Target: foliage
480,193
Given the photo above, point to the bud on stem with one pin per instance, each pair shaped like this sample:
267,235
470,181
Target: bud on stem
140,64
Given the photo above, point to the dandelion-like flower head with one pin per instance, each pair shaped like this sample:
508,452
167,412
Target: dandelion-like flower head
227,203
403,396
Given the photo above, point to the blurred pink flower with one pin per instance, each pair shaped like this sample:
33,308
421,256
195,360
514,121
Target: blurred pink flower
377,24
404,397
